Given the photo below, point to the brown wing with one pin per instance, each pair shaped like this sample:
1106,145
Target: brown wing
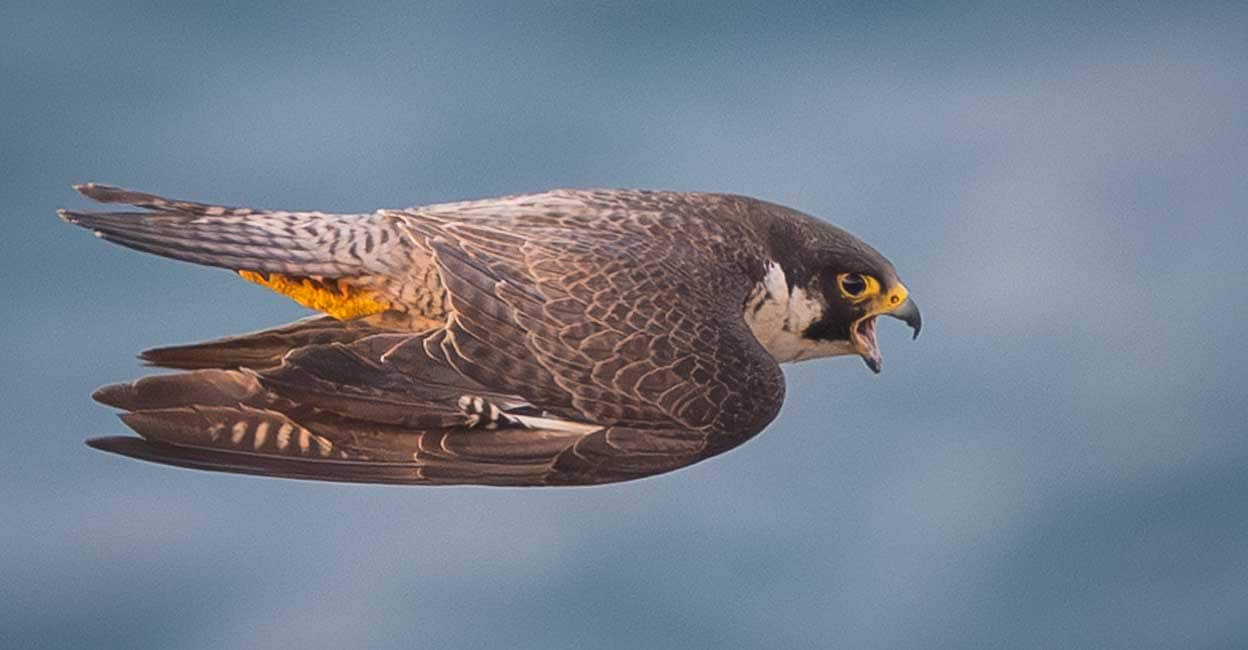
353,413
621,309
263,349
518,458
618,348
350,412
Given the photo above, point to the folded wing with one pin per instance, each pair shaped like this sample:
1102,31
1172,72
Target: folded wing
563,341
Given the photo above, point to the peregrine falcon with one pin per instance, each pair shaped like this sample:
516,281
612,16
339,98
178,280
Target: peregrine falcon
570,337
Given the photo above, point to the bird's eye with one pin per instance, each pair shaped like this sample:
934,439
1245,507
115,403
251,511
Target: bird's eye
853,284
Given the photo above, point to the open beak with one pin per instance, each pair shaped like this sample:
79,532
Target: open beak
862,334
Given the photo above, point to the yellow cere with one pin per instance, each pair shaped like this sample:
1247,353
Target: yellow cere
896,297
336,298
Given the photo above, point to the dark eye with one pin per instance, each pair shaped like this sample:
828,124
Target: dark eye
853,284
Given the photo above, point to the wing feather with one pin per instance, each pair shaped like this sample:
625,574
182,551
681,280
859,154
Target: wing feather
598,317
600,332
263,349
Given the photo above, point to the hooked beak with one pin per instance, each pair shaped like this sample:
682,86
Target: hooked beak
908,313
862,334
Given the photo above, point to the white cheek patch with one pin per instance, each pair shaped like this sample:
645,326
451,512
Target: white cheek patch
777,319
804,310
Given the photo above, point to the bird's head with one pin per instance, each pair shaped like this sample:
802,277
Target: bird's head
837,287
853,296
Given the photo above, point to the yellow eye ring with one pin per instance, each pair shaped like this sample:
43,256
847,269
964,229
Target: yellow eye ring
857,287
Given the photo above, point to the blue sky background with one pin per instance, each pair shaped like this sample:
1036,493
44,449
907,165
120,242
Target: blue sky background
1057,462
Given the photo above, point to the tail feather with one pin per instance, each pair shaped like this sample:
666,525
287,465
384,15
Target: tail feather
250,245
113,194
268,241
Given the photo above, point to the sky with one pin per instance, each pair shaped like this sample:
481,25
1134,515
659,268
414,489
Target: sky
1056,462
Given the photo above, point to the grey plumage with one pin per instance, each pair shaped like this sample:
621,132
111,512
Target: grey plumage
300,243
571,337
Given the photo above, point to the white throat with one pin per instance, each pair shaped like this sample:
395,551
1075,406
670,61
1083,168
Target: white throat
777,317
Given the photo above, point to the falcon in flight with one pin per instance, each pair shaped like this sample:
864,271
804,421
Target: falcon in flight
565,338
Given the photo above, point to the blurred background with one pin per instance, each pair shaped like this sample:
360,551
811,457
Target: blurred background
1057,462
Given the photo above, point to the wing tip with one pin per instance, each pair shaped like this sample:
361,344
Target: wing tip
103,193
152,357
131,446
115,395
165,454
89,220
75,217
107,443
213,460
